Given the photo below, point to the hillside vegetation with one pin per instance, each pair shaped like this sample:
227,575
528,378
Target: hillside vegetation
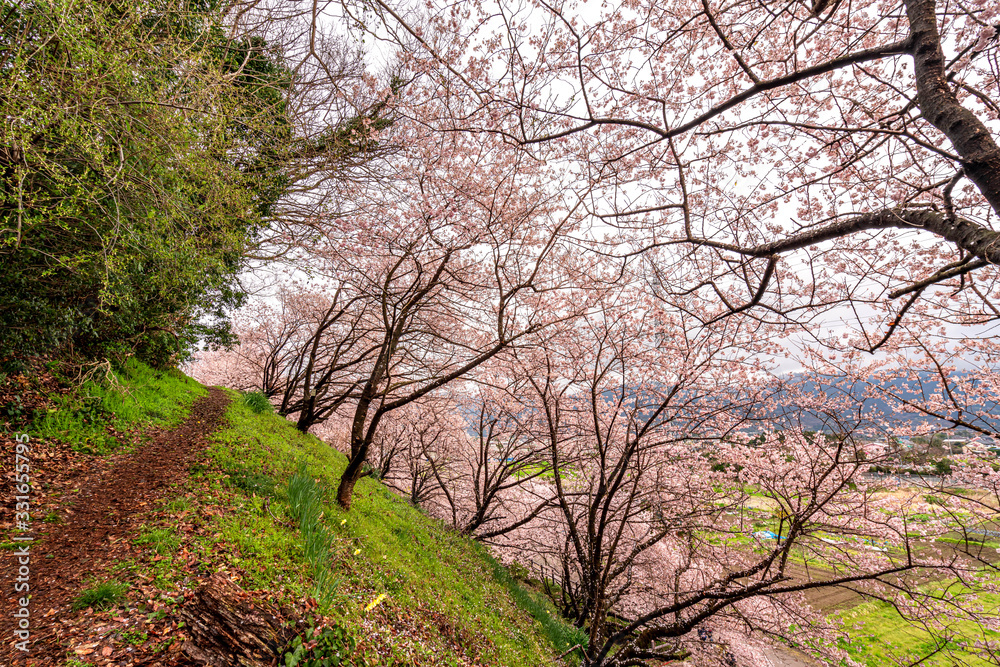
547,267
395,585
407,589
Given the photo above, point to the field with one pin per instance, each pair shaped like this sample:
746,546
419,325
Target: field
875,633
880,636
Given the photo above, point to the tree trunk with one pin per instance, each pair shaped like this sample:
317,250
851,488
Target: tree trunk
350,477
228,628
361,440
938,104
307,415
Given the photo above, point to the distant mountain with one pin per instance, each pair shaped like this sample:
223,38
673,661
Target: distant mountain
859,406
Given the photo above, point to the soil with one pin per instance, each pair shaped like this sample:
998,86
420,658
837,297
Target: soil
100,512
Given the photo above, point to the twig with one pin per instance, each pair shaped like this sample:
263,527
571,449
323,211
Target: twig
568,651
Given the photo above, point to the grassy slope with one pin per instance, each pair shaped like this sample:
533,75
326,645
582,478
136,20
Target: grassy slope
408,590
135,397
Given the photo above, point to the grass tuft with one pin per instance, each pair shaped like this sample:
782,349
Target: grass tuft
101,596
305,502
258,402
163,541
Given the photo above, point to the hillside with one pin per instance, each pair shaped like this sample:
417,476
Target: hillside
142,492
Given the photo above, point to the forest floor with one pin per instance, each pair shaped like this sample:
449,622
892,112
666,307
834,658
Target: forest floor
92,529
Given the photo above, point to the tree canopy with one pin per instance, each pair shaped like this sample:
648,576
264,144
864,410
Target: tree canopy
138,162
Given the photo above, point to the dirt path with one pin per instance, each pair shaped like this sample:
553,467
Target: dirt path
105,511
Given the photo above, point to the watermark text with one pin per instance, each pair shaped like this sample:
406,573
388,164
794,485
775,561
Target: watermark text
22,552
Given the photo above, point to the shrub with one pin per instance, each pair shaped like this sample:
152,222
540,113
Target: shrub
115,240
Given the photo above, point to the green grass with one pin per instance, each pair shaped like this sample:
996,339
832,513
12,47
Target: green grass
970,543
258,402
305,501
408,589
134,637
251,481
130,397
101,595
180,504
542,472
562,635
162,540
879,636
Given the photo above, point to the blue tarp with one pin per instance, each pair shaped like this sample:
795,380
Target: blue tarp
767,535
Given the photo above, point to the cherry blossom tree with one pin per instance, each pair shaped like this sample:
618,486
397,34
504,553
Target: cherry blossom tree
464,457
488,486
413,446
303,351
617,424
456,259
951,381
773,160
674,470
308,355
